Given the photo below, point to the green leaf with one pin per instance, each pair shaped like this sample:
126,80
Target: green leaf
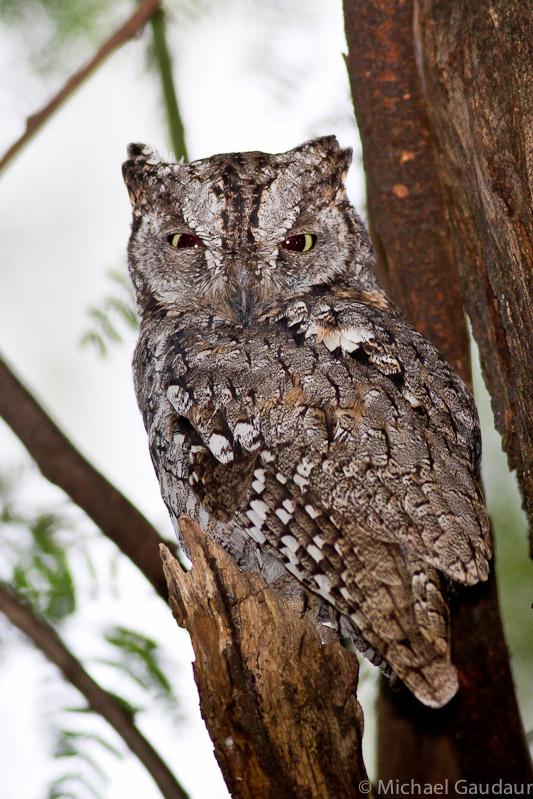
112,312
126,312
140,658
96,339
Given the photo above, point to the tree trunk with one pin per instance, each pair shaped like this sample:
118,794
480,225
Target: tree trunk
418,259
476,62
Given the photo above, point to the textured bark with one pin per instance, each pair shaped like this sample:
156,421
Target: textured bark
410,232
406,209
280,706
476,60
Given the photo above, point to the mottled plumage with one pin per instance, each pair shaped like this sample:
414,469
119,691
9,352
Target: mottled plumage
291,408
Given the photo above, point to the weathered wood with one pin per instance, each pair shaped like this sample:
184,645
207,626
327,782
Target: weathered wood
476,60
280,706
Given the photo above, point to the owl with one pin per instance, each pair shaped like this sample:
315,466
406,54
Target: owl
290,407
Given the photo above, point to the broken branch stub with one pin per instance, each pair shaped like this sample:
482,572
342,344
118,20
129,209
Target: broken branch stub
281,707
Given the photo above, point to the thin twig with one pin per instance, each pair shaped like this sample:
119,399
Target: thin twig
126,32
164,63
46,639
62,464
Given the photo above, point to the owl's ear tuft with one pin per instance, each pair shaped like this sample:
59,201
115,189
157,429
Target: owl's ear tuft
132,174
326,154
145,153
345,161
142,160
320,148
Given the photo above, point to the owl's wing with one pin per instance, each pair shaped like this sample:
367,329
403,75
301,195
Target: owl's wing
360,460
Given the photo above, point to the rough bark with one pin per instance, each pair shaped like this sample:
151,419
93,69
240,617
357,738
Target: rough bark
476,60
280,706
412,238
405,202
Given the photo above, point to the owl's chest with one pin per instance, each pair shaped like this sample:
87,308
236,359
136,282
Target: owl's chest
263,365
288,386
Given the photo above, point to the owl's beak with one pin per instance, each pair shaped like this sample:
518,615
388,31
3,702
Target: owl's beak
243,294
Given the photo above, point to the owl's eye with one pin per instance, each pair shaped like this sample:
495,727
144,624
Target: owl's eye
184,240
302,243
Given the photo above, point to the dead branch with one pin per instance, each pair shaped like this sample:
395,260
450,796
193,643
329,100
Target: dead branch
280,706
46,639
62,464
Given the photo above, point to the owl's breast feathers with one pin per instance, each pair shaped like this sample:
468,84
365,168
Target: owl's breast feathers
342,442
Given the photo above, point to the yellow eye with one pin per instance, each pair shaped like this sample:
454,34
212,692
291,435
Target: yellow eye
184,240
302,243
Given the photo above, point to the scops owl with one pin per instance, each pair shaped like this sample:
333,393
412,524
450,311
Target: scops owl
290,407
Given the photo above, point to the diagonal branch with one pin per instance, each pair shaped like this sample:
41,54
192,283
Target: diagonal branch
62,464
46,639
126,32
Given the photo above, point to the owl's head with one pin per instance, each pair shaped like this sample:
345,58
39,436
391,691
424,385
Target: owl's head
236,233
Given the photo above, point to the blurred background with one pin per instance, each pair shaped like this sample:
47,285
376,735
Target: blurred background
249,75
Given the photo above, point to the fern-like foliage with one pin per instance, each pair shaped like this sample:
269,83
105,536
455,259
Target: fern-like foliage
116,312
41,563
35,555
141,659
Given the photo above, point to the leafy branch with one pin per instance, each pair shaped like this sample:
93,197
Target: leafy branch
114,307
127,31
62,464
114,712
37,545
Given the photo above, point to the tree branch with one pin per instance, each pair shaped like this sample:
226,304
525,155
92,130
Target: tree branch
62,464
126,32
280,706
164,62
406,209
46,639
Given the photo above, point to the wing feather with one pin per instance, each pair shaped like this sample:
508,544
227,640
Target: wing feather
347,462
